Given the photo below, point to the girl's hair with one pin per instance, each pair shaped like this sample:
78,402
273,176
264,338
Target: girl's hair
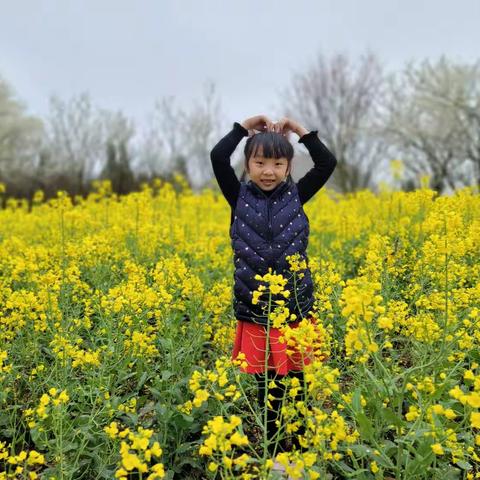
273,145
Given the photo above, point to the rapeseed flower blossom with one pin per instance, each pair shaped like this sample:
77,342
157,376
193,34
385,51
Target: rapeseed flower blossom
107,302
137,451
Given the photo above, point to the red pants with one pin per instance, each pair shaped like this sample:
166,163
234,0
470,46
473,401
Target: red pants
250,338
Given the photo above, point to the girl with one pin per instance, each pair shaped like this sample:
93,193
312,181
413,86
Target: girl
267,225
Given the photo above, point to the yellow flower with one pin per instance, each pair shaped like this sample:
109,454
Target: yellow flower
35,458
475,420
131,461
201,396
385,323
158,471
412,413
449,413
473,399
111,430
156,450
256,296
238,439
242,460
140,443
63,397
437,449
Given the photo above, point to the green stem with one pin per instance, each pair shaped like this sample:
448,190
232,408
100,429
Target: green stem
250,406
265,378
296,296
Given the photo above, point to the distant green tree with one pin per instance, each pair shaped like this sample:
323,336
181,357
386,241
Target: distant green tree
117,168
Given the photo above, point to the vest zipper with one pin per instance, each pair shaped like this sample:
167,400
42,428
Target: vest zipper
269,219
269,215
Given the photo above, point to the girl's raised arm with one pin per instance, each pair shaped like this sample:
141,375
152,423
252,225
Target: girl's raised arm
324,160
221,152
220,156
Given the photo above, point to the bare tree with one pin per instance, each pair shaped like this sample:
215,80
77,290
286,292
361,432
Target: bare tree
201,129
180,140
75,138
341,99
432,120
20,136
160,152
454,90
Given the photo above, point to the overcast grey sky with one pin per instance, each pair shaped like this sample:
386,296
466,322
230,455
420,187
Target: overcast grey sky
129,53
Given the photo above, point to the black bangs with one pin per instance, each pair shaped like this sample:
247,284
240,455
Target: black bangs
269,145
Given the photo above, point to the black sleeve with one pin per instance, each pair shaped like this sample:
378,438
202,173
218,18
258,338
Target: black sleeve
220,157
324,165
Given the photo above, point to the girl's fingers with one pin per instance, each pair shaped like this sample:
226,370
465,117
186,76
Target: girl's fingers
266,125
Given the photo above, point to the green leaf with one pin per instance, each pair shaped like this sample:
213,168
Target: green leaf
389,447
360,450
463,465
390,417
365,426
424,449
142,380
185,447
356,401
156,393
382,461
127,376
68,446
183,421
345,468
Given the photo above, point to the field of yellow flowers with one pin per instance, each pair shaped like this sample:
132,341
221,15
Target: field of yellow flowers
116,330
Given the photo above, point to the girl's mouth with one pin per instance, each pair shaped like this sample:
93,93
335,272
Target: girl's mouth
267,182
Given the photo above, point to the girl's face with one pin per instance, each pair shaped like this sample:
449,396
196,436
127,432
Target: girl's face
267,173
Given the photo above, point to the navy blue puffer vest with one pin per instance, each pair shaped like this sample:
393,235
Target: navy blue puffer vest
265,230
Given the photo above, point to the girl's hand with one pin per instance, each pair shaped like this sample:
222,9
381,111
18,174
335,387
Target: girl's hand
259,122
284,125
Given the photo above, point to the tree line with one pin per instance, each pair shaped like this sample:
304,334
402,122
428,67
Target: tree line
427,116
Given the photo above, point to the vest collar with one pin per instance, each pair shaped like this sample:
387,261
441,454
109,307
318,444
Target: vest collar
283,186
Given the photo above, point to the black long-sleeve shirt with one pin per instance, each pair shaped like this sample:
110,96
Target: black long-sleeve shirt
324,165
